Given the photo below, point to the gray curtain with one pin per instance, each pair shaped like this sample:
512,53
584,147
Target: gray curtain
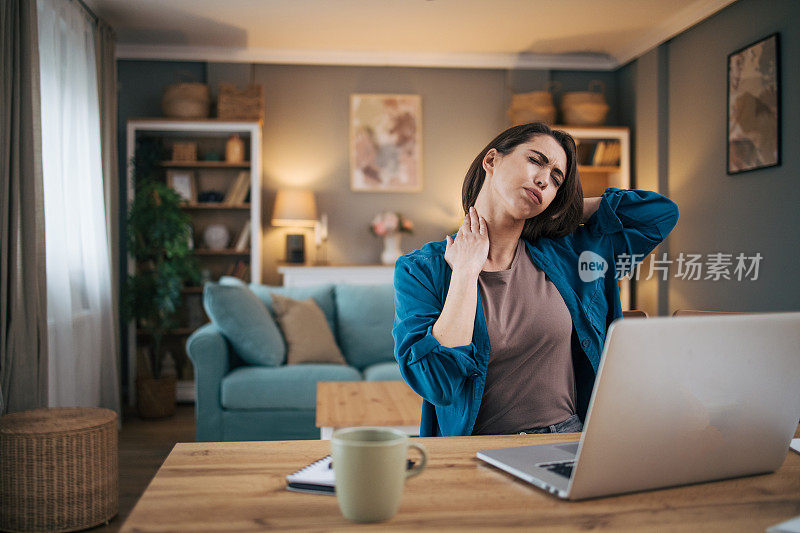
23,286
107,91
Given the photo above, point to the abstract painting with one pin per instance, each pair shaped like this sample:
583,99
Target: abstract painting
754,106
386,142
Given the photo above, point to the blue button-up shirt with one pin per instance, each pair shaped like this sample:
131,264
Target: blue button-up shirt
584,266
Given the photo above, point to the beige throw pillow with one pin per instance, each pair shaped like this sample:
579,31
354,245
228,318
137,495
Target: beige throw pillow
308,336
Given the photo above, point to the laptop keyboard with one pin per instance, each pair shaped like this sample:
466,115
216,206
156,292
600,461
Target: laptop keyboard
562,468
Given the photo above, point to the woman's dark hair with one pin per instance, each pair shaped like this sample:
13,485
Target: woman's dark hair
564,214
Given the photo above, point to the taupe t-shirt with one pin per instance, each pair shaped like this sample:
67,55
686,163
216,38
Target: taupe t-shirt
530,382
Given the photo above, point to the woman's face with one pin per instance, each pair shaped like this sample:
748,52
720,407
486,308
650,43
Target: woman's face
526,180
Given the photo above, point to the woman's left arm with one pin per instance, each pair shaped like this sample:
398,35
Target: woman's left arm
636,221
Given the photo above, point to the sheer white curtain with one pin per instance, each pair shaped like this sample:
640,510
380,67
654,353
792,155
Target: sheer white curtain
83,363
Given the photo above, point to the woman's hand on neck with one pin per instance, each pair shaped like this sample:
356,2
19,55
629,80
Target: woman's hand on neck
504,232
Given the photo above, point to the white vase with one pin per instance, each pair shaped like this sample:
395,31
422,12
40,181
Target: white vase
216,237
391,248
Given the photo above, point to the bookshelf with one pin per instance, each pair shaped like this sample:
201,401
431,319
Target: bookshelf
238,209
604,161
603,157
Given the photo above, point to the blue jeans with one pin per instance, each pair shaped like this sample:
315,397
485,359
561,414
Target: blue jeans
570,425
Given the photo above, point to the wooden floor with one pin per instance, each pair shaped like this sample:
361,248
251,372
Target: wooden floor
143,446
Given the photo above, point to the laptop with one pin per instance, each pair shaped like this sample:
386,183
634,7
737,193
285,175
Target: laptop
676,401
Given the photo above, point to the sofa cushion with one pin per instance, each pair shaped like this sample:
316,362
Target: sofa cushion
322,294
245,323
308,336
365,314
383,372
282,387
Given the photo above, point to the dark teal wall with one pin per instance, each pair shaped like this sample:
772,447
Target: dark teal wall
139,86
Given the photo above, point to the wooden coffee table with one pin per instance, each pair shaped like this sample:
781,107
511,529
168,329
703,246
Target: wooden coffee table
367,403
241,486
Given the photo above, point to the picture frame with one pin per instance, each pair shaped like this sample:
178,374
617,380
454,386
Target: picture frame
754,106
184,183
385,142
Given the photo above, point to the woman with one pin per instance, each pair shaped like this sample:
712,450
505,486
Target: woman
497,328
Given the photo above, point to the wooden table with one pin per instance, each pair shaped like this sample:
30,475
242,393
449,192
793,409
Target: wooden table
367,403
241,486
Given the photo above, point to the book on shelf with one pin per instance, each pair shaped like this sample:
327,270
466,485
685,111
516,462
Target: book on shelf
240,269
243,240
239,190
597,156
612,154
605,154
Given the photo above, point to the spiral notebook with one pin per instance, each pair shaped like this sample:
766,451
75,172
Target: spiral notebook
318,477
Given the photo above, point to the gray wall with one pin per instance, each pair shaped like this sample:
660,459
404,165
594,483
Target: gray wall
751,212
305,138
644,107
680,138
305,142
673,98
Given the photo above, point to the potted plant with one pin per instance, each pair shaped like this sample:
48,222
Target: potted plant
159,237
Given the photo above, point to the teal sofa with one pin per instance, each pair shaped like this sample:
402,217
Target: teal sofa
237,401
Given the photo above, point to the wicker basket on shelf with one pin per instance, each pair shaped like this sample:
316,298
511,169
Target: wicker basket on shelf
186,100
58,469
536,106
233,103
585,108
184,151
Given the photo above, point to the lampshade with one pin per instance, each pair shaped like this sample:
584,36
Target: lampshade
294,208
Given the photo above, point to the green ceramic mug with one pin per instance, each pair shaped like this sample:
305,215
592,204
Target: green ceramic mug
370,467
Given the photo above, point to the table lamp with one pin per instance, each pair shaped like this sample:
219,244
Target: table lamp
295,208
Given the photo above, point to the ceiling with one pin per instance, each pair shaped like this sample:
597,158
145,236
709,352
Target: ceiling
572,34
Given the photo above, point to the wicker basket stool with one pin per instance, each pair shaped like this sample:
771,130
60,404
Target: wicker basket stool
58,469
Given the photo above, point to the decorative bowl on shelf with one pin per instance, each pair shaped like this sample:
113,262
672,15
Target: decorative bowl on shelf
206,197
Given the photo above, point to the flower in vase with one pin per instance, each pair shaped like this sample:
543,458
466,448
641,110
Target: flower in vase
389,223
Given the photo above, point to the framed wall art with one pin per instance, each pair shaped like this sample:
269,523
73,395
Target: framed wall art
386,142
754,106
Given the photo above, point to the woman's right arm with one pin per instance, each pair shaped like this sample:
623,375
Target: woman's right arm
466,257
435,353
